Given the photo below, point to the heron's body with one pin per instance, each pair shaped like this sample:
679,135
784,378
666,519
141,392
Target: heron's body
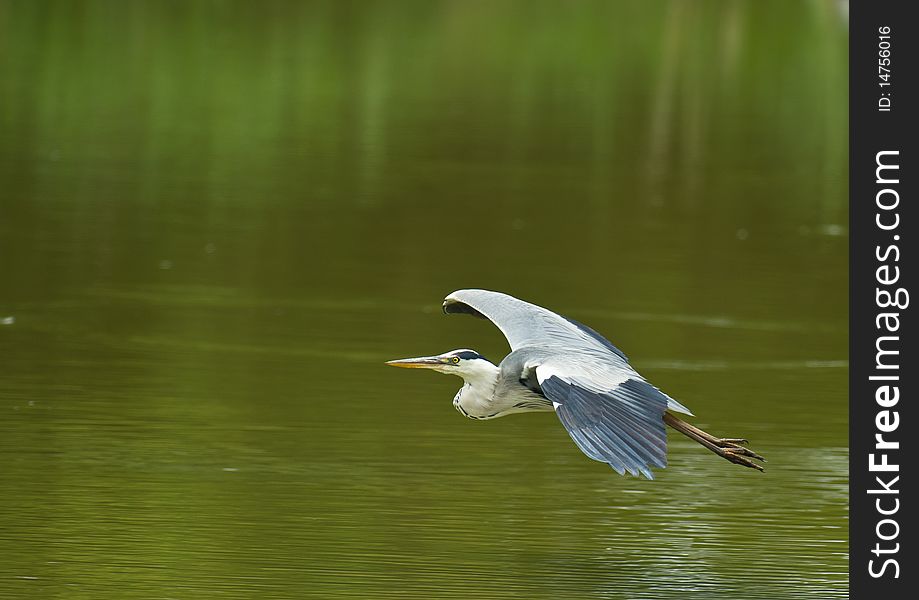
556,364
495,391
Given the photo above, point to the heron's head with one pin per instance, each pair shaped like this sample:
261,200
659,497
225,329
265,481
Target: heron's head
465,363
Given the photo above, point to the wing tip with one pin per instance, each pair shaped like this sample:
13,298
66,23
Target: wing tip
455,295
453,306
472,293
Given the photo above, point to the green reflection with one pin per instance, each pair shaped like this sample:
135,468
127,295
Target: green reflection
217,219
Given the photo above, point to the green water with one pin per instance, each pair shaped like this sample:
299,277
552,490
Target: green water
218,219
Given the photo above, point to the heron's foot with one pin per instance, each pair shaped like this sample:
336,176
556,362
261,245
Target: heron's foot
732,449
740,458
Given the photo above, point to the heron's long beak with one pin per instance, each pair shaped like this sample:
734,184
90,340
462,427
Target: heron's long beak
423,362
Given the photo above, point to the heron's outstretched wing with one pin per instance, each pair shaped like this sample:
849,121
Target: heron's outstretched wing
575,350
622,426
525,324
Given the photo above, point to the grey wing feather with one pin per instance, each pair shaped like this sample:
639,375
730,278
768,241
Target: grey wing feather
610,411
598,337
525,324
561,345
622,427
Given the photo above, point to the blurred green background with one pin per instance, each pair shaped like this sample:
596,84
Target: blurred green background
218,219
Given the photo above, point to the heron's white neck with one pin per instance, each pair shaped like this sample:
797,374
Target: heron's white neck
474,399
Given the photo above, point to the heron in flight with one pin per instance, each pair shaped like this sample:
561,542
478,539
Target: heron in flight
557,364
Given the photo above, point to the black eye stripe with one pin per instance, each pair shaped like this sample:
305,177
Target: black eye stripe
469,355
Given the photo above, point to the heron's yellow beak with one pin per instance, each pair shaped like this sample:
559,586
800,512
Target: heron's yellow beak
424,362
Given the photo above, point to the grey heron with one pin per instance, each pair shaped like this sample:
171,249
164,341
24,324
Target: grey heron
557,364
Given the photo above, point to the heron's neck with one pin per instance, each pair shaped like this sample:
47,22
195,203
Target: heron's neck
475,397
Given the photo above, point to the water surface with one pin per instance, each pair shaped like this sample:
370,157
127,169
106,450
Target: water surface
217,220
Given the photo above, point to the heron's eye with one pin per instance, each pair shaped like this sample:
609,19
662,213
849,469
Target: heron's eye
456,360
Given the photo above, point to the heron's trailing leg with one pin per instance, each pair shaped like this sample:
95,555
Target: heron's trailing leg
731,449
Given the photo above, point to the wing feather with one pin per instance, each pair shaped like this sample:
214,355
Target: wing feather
622,427
560,346
525,324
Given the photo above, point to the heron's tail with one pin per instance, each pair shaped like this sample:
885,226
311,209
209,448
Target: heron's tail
731,449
